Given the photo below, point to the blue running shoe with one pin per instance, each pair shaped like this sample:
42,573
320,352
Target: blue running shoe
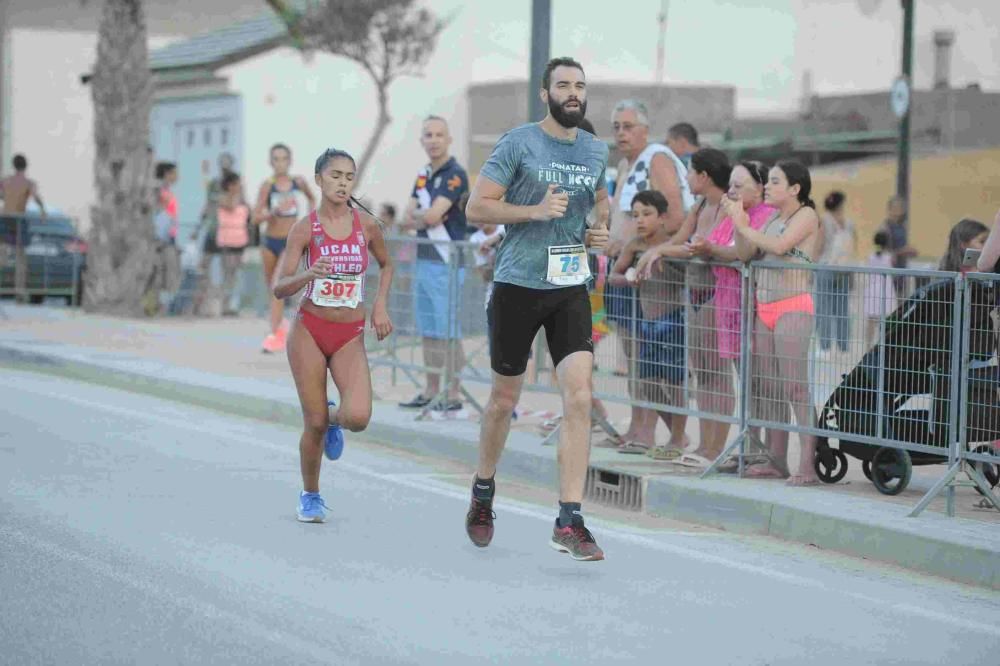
311,507
333,446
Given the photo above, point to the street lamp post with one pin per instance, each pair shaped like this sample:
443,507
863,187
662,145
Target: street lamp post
903,95
541,32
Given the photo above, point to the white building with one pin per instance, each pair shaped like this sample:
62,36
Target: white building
254,92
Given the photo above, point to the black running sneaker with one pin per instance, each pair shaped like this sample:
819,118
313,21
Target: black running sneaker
479,521
577,541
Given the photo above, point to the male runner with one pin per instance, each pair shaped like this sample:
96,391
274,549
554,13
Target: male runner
541,182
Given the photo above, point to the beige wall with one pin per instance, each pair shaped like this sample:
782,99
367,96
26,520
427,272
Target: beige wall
944,189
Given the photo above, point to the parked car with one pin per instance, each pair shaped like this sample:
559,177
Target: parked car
54,253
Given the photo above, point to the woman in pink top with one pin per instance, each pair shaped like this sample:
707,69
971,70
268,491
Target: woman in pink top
232,235
746,184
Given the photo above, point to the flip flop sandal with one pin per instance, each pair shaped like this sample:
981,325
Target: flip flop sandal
631,447
610,442
692,460
664,453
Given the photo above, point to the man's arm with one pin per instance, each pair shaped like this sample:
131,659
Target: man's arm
434,215
37,197
663,178
486,205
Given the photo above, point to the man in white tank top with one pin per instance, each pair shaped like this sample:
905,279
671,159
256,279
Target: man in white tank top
644,166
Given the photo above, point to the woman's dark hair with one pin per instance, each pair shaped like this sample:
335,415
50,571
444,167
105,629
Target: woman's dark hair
797,174
961,234
228,179
651,198
280,146
163,168
834,200
332,153
758,171
715,163
881,240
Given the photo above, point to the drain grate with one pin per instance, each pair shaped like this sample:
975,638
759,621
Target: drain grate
623,491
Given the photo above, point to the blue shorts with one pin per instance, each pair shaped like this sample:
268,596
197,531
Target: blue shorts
431,291
620,304
661,348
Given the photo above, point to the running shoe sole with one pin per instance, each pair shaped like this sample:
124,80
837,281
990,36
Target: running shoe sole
308,519
586,558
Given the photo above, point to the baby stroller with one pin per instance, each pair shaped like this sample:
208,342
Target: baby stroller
915,393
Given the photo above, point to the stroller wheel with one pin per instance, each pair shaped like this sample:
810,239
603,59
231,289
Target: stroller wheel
866,469
830,465
990,471
891,470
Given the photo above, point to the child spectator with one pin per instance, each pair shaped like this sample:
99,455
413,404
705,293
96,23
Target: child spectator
661,366
232,234
966,235
880,289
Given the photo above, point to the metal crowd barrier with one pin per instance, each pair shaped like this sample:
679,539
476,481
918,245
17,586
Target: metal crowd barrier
40,257
832,353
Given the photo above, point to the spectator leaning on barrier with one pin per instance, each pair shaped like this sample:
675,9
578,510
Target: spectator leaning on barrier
682,138
785,311
833,289
966,235
15,191
437,211
708,177
644,166
661,366
18,189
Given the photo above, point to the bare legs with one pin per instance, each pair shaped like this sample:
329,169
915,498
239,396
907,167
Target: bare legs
349,368
436,359
714,390
781,362
270,262
575,382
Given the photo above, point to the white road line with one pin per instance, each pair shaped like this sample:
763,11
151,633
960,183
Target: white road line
608,531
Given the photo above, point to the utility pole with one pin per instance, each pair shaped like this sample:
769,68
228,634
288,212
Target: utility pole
541,33
903,169
661,39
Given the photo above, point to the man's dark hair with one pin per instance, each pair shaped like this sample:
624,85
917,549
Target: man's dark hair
20,163
163,168
558,62
390,210
228,179
652,198
684,131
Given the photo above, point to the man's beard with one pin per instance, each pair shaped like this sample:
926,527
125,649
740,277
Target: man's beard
567,119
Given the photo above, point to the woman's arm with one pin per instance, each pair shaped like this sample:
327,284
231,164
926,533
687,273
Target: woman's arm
800,228
687,227
261,213
287,280
376,246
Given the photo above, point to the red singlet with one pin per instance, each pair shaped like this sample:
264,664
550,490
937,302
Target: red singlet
344,287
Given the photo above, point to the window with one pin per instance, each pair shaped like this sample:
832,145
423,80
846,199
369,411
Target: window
190,140
224,137
208,136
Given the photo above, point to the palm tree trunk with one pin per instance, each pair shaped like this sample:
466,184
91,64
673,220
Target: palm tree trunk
122,256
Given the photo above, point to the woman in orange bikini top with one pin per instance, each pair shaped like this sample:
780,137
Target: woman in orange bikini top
784,322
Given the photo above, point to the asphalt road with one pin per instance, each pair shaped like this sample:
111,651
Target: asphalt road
139,531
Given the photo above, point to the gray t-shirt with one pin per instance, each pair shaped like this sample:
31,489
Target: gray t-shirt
525,161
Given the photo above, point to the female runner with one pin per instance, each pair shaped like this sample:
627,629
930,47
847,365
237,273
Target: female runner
329,329
279,204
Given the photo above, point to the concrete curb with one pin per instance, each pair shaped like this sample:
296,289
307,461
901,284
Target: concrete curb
958,549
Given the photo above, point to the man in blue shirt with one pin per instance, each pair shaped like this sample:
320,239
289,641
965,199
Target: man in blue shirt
543,179
437,211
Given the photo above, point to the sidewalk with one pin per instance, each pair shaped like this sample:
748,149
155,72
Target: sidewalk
217,363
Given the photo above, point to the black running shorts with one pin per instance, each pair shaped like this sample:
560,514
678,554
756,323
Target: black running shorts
516,313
